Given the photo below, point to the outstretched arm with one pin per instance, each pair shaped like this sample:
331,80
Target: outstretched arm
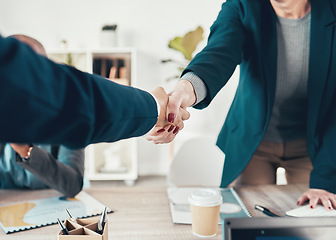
44,102
323,176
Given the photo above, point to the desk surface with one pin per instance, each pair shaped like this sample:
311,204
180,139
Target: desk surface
143,213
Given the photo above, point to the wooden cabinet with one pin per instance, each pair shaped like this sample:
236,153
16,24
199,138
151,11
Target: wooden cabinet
107,161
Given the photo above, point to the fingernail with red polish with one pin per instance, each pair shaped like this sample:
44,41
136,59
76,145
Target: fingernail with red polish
329,208
171,117
161,130
311,206
171,128
297,203
176,130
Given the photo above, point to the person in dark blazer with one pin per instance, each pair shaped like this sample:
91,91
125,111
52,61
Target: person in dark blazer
283,113
45,102
33,166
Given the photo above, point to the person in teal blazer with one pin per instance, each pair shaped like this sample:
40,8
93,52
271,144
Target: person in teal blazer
44,102
245,34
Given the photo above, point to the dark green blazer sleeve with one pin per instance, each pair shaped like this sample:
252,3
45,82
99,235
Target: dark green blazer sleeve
321,121
44,102
216,63
323,175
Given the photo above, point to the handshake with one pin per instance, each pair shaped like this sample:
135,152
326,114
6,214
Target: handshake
173,111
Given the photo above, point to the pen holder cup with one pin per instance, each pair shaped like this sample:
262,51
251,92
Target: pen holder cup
83,229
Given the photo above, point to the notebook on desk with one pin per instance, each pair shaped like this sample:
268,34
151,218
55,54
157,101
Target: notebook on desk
283,228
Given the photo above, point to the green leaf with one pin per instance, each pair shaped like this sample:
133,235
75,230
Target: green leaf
188,43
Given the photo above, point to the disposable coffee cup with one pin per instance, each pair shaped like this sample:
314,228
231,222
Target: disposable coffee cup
204,207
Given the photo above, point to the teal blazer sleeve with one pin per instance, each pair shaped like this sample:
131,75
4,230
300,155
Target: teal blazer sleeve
45,102
323,175
216,63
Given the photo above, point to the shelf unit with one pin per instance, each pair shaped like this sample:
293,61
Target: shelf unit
106,161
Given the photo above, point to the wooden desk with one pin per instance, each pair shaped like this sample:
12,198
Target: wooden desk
143,213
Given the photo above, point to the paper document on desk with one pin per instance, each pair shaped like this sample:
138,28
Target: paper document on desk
306,211
232,205
42,212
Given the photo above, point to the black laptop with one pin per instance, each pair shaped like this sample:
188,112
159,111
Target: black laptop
280,228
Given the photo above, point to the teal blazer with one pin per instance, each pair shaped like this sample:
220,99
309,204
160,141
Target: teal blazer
45,102
244,34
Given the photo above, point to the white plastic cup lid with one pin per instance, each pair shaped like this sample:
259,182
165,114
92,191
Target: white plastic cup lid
205,198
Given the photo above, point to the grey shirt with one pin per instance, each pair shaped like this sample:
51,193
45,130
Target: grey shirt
288,119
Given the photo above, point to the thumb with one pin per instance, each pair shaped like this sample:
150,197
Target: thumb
174,104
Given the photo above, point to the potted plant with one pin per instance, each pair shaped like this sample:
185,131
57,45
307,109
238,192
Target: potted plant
185,45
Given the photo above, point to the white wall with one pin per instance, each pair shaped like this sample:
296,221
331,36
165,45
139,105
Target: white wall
146,25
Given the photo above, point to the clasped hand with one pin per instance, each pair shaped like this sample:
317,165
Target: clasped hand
173,111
